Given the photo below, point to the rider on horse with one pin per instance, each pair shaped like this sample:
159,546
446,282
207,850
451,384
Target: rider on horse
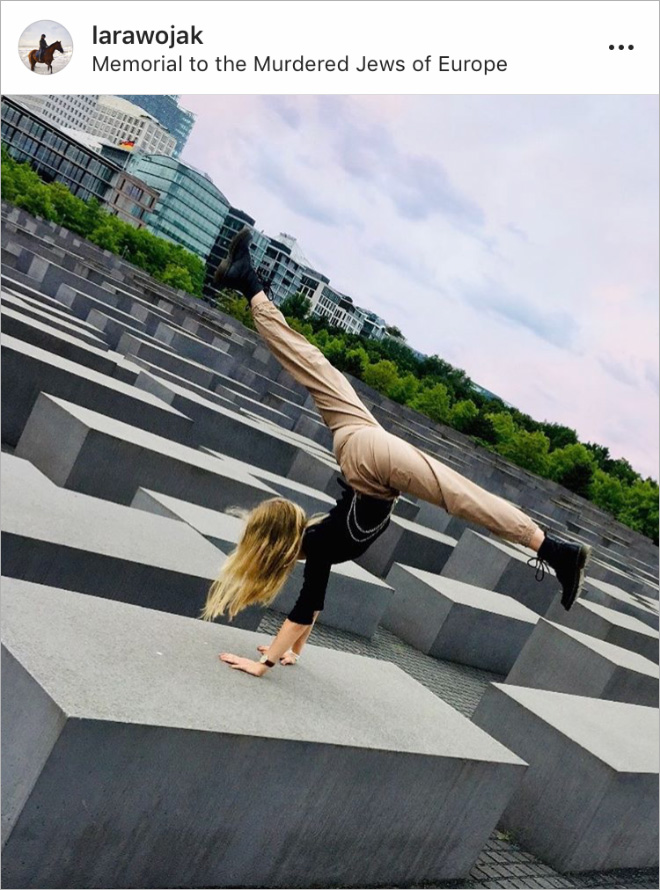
43,44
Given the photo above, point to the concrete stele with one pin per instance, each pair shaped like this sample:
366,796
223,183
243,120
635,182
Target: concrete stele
150,722
589,800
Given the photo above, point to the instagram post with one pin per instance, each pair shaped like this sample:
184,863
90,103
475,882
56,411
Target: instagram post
330,349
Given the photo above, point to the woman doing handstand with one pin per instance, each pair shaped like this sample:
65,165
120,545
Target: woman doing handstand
377,467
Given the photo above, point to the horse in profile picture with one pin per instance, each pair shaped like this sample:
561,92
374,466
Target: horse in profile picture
47,58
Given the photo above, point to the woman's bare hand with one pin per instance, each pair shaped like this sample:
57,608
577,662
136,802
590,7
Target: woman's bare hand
238,663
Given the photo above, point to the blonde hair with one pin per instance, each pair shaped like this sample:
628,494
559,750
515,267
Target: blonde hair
256,570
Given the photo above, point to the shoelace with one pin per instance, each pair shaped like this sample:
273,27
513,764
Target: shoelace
541,567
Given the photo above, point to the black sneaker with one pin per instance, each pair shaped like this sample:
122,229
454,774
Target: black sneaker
569,562
236,271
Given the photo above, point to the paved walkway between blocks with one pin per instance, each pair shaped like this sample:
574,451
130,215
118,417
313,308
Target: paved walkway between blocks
501,863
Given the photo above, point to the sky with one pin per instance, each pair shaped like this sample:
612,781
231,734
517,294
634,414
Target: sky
514,236
53,31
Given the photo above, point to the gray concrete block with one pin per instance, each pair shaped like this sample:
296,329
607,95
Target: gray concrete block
158,742
627,603
564,660
85,544
495,565
606,624
310,499
589,800
602,571
113,329
135,348
28,371
190,347
223,430
55,318
457,622
56,341
80,304
432,516
88,452
355,599
313,429
410,544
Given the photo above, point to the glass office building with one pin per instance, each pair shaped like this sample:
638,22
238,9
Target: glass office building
190,210
167,111
57,156
233,223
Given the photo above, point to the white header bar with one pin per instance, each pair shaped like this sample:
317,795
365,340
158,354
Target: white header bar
342,46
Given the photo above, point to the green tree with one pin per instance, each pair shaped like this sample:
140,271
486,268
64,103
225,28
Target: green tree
382,375
463,414
558,435
600,452
505,428
573,466
404,389
606,491
527,450
640,509
621,469
295,306
434,402
177,276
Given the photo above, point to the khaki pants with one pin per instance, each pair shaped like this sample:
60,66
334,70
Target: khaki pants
373,461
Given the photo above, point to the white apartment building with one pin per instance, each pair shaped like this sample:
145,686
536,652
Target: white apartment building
339,310
118,120
64,111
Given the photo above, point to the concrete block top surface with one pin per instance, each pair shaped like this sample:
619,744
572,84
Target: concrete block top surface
152,442
103,660
621,735
273,478
56,332
74,325
64,364
476,597
229,527
410,526
616,593
622,657
516,551
34,507
615,617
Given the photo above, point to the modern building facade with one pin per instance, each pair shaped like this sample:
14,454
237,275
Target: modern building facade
58,157
190,209
167,111
234,221
121,122
65,111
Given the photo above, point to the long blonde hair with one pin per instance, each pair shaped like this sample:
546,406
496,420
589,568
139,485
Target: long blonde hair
256,570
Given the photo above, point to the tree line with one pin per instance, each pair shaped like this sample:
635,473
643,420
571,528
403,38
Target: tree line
429,385
164,260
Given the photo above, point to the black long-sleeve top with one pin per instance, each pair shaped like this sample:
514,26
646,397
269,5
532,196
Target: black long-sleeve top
350,527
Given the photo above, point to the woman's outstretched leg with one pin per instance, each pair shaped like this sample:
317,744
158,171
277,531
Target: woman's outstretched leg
338,403
403,466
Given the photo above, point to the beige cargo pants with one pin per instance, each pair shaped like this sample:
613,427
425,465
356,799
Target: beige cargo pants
373,461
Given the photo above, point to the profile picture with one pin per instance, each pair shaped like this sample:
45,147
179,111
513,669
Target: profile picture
45,47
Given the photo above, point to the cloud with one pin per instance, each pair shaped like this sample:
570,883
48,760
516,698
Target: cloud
518,232
417,184
651,376
411,266
558,328
285,109
293,194
618,371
